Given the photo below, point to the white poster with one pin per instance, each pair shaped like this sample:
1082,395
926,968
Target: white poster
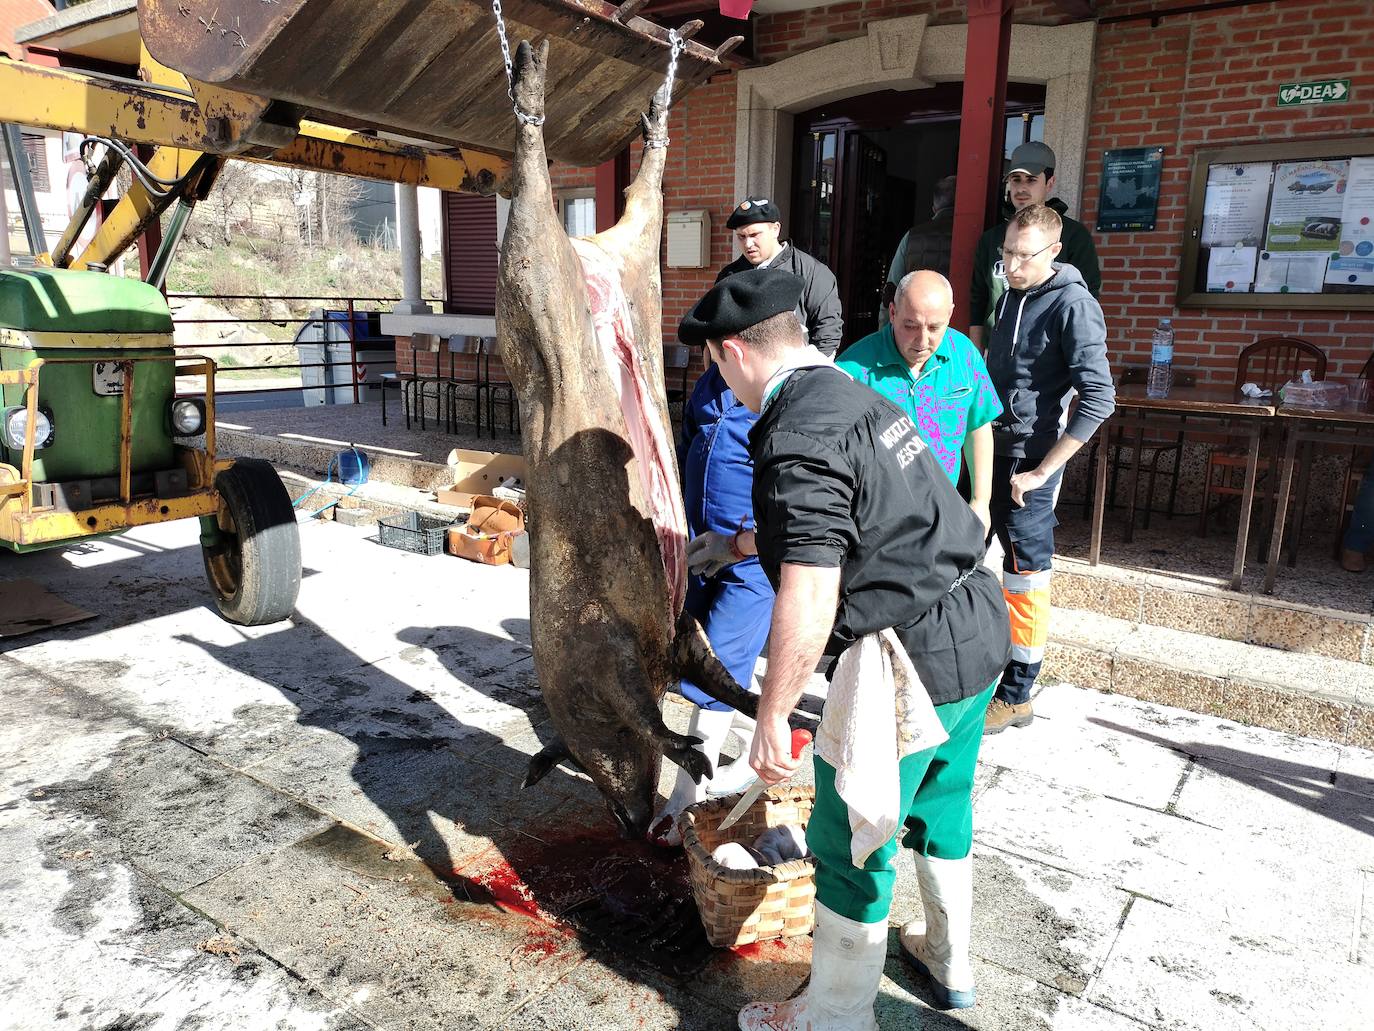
1354,265
1231,270
1233,208
1286,272
1305,212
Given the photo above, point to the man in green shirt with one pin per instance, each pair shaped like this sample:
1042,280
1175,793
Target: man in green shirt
935,374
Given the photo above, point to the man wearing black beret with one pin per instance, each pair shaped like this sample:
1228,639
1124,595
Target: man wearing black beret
872,552
757,225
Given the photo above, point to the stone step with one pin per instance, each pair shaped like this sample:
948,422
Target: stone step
1201,607
400,468
1313,695
378,497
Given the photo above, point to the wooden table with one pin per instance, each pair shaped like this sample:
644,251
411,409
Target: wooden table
1350,426
1185,407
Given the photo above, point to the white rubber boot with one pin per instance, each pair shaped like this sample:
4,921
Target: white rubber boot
712,727
938,946
846,968
739,774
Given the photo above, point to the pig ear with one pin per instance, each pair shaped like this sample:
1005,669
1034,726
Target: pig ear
694,659
546,759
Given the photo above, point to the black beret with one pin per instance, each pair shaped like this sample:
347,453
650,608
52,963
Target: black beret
751,210
740,301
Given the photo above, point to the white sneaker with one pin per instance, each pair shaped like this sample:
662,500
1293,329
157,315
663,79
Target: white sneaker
846,968
938,946
732,779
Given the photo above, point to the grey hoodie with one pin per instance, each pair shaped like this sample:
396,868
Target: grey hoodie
1047,340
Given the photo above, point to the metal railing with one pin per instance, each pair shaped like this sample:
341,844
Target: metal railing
348,308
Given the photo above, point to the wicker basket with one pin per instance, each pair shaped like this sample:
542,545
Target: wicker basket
743,906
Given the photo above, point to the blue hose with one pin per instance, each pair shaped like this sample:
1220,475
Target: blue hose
357,476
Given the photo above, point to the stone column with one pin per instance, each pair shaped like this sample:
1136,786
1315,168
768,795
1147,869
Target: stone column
408,233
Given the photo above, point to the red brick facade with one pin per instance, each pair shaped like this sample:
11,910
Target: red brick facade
1194,80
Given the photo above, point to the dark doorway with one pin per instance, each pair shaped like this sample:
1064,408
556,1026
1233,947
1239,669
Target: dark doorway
865,172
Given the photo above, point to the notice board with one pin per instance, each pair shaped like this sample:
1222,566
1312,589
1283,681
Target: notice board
1286,225
1129,200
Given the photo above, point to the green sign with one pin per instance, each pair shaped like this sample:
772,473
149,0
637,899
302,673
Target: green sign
1329,91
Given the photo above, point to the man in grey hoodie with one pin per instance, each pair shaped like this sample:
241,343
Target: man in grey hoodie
1049,338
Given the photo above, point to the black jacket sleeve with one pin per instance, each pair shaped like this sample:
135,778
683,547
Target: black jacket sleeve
804,494
821,300
1080,252
1083,338
984,257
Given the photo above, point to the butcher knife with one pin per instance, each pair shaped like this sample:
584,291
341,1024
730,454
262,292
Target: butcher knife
800,739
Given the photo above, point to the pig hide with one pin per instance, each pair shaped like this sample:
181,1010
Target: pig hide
580,332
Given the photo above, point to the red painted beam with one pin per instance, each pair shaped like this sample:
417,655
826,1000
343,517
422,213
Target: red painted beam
612,180
982,137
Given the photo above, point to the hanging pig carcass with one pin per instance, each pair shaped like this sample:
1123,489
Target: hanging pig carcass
580,329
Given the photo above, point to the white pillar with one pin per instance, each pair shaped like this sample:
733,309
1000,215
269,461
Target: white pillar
408,234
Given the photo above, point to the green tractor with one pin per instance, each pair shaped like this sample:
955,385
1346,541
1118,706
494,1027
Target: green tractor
94,439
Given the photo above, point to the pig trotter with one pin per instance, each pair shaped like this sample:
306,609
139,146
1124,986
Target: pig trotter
655,123
684,751
527,87
546,759
694,659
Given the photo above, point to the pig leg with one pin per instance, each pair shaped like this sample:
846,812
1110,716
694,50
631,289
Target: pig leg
551,755
638,710
694,659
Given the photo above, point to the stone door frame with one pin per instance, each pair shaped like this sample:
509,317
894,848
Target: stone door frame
905,54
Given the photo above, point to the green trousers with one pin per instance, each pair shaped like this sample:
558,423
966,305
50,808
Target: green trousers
937,808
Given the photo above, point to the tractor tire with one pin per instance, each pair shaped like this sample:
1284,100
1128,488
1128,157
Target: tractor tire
255,568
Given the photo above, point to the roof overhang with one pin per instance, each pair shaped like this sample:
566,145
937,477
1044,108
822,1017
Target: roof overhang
103,30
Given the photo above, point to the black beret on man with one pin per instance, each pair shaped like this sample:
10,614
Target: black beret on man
751,210
738,302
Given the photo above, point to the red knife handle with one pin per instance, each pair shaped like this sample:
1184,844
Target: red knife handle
800,739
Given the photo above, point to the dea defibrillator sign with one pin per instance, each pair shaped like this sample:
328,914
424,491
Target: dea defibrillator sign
1329,91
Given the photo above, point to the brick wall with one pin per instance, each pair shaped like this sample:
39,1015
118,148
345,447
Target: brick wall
1208,80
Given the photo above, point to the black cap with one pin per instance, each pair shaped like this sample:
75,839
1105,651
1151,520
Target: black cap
738,302
1033,158
751,210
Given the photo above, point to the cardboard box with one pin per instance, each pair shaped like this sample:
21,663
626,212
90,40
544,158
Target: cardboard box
479,472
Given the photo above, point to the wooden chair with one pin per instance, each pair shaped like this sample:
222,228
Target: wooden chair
1268,363
1354,473
1151,451
456,383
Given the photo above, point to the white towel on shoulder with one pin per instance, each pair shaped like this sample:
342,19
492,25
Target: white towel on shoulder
877,712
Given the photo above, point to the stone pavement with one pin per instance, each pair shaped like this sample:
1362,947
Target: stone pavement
319,824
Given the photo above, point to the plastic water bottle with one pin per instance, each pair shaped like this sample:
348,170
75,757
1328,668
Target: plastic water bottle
1161,360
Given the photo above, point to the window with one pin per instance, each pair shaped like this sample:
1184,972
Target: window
1281,225
35,151
578,209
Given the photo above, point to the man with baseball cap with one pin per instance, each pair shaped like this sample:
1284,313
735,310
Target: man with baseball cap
867,543
757,225
1030,180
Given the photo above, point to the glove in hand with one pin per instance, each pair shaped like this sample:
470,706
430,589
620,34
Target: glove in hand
709,553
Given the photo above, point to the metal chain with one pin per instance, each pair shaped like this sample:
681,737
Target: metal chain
521,116
676,45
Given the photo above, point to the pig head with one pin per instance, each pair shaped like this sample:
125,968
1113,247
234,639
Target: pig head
607,628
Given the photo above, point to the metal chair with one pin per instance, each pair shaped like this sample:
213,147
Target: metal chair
498,391
414,383
1354,475
459,347
1269,363
677,358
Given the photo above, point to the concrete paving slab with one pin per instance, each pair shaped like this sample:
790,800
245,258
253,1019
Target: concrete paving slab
1295,808
177,816
1355,770
593,996
1241,880
1189,733
117,950
1082,754
1005,1000
1183,973
403,953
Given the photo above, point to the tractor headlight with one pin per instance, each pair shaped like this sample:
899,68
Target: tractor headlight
16,423
188,416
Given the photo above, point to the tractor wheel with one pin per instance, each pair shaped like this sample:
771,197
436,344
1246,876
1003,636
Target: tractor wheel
254,566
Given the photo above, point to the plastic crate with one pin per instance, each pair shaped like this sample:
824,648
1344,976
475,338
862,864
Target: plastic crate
424,535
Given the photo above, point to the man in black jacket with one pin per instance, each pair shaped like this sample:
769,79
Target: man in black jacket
757,225
861,532
1029,181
